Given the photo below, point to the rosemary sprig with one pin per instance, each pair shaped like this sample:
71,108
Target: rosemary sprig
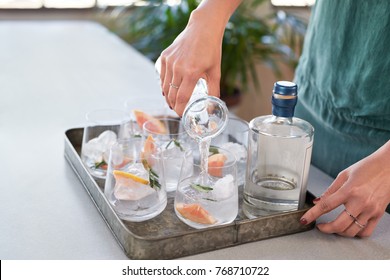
177,144
201,188
153,176
100,164
153,179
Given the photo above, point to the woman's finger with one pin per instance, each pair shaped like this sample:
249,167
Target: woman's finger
324,205
346,224
183,95
166,84
174,87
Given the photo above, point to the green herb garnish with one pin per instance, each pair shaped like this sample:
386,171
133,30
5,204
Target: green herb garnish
213,150
201,188
177,144
153,179
100,164
153,176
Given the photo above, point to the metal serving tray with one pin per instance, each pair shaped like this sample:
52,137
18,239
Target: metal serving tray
165,236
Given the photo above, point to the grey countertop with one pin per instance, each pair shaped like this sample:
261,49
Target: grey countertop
51,74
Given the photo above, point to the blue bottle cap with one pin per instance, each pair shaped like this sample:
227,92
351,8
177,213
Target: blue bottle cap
284,99
285,88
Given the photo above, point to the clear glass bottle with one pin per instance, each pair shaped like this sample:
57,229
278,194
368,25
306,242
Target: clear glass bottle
279,154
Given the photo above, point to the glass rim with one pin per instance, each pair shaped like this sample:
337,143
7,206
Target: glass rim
238,119
164,120
232,163
137,141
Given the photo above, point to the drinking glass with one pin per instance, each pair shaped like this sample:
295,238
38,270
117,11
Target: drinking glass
104,127
235,139
211,199
135,181
174,145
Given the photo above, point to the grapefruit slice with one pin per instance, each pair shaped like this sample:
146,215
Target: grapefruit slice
216,162
130,187
155,125
195,212
149,149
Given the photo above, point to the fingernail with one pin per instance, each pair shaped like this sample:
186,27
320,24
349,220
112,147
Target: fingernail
303,221
317,199
163,93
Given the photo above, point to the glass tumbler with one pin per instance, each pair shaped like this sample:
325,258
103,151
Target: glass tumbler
135,180
168,135
208,199
104,127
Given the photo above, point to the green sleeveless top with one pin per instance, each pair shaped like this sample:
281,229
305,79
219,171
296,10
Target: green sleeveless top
343,79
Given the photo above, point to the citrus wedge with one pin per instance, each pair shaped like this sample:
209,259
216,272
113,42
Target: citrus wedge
195,212
155,125
216,162
118,174
130,187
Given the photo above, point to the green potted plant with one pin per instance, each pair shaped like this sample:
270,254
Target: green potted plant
248,39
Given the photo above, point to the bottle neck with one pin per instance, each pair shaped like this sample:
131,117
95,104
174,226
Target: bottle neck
283,107
282,120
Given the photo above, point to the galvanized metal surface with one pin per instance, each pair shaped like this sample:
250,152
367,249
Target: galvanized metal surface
165,236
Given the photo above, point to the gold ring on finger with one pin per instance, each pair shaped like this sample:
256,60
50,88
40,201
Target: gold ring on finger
352,216
173,86
359,224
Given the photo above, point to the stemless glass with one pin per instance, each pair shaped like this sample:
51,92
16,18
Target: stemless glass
235,139
135,181
204,200
104,127
174,145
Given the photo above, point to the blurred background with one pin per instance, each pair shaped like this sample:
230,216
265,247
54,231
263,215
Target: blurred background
262,42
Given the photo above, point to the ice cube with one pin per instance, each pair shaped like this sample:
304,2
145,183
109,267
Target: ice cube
238,150
223,188
173,152
116,155
129,189
132,190
107,139
138,170
93,150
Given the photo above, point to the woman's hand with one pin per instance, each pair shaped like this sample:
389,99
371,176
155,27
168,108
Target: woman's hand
196,53
364,189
